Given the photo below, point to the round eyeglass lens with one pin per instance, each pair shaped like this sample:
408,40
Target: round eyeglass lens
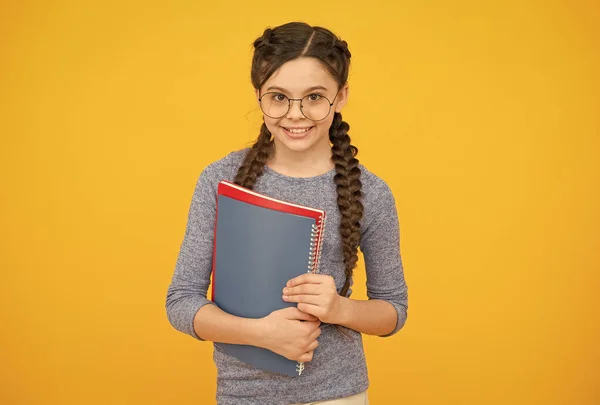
274,105
315,107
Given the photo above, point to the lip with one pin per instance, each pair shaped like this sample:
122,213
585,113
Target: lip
298,136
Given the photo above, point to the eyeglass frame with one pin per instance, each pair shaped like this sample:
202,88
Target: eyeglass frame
297,99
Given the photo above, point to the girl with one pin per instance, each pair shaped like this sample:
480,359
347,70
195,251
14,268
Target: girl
303,155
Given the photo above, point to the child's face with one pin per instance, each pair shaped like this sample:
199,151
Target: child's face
296,79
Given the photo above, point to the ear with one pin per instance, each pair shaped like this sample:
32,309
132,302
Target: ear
257,93
342,98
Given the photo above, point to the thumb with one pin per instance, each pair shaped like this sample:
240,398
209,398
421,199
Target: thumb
295,313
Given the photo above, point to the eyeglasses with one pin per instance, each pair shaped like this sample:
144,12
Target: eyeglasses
313,106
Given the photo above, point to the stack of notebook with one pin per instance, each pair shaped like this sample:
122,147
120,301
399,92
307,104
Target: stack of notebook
260,244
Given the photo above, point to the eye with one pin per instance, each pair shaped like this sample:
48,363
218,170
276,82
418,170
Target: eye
278,97
314,97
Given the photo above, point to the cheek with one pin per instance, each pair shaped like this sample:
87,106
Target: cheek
323,126
271,123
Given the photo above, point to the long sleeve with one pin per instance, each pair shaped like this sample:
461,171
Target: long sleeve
187,291
380,244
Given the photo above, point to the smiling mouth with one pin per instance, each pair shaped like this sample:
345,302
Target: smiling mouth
298,130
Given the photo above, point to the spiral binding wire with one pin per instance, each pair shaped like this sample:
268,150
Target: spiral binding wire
316,247
320,248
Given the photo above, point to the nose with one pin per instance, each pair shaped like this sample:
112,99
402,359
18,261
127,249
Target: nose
294,112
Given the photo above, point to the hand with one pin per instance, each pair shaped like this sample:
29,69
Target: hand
287,335
317,295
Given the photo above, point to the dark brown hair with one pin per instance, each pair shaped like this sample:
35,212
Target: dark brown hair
271,50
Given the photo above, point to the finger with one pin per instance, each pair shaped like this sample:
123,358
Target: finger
306,278
306,357
315,334
313,345
306,299
311,309
297,314
311,326
312,289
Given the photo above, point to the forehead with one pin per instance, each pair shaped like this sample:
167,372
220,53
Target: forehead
299,74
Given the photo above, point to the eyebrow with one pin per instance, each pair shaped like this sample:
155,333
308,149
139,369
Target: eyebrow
306,91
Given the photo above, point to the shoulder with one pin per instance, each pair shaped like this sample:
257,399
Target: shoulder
224,168
375,189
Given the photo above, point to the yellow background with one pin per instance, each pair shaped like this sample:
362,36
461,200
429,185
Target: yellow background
482,117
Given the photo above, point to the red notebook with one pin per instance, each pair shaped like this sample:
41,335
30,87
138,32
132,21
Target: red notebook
239,193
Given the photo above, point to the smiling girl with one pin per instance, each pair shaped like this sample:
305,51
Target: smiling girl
302,155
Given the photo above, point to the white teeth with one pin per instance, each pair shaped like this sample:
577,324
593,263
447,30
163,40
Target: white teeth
298,131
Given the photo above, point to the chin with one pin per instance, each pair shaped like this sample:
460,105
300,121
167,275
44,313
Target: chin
296,146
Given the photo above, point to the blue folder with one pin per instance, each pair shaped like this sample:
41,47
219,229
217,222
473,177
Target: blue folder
257,250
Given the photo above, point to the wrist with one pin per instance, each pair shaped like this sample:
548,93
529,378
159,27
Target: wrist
344,311
255,335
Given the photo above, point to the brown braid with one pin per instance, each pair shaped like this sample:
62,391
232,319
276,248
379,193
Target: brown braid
349,193
254,163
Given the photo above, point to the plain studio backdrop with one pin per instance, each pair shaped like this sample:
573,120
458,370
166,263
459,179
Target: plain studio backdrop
481,116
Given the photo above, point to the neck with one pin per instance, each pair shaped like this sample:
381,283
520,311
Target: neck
308,163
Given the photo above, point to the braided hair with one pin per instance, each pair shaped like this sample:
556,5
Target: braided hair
271,50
